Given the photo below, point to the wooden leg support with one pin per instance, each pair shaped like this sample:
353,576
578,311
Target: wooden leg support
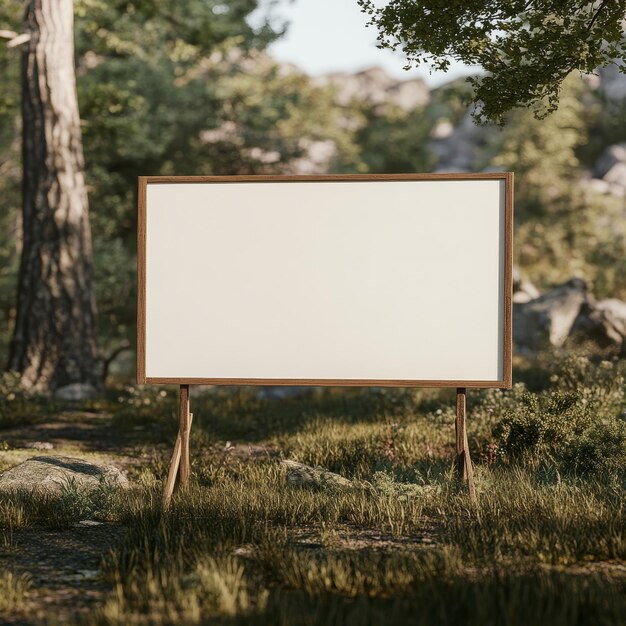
179,465
464,468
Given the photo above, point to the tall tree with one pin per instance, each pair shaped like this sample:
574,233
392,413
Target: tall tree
526,48
54,340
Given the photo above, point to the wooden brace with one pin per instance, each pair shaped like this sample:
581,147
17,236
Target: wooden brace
464,467
179,465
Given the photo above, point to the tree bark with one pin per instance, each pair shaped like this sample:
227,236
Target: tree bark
54,340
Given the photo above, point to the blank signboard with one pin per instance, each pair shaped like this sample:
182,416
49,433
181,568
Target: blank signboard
346,280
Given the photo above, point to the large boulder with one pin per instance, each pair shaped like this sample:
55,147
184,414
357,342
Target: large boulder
612,83
613,155
602,324
52,474
610,171
616,179
376,87
548,319
76,392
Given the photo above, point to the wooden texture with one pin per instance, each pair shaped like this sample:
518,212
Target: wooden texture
325,382
141,281
459,428
506,380
54,336
508,281
172,474
464,467
185,427
180,452
277,178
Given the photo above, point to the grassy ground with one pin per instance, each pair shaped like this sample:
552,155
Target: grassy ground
544,544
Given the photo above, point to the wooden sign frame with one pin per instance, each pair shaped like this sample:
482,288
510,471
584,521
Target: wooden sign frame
504,382
179,470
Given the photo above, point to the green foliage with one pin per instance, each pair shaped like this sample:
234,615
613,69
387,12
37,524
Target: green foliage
576,426
148,408
245,545
28,509
178,90
253,548
525,49
163,88
144,100
542,424
18,407
530,517
450,101
601,449
392,140
187,89
562,227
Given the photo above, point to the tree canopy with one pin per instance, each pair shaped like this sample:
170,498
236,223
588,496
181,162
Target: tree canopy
525,47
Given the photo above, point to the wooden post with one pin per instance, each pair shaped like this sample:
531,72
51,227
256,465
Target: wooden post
464,468
179,465
185,427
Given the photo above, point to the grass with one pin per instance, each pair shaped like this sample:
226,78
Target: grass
25,509
13,590
230,553
543,544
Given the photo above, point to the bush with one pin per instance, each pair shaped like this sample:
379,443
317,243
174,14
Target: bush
577,425
600,450
18,406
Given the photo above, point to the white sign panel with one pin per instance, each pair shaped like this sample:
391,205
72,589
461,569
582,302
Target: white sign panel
364,280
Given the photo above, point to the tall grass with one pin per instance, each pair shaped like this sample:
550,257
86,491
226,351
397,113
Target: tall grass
13,591
543,544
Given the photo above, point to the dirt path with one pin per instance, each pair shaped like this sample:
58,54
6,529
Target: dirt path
63,565
64,569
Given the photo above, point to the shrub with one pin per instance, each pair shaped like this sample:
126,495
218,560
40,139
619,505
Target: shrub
576,425
601,449
17,406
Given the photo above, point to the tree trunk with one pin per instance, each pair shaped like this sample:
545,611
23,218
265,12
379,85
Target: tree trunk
54,338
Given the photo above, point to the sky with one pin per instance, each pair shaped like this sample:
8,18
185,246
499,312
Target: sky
331,36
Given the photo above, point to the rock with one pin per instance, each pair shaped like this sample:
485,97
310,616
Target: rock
459,150
409,94
522,296
317,157
602,324
282,392
375,86
250,451
49,474
523,289
610,171
611,156
442,129
76,391
617,308
305,475
616,177
598,185
612,84
548,319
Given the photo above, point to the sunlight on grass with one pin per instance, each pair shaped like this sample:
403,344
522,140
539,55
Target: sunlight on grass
399,543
